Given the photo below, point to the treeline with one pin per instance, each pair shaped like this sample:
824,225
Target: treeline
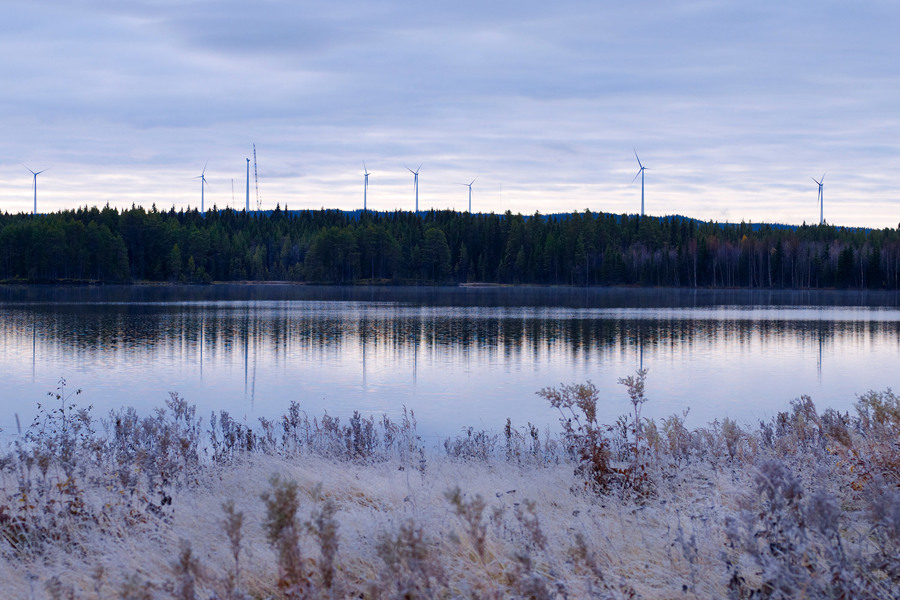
439,247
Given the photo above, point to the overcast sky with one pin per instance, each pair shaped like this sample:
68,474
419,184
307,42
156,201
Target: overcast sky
732,106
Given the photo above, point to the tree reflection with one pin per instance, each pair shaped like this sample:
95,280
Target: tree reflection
201,332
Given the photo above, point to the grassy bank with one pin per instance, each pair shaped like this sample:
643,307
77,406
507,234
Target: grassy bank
172,506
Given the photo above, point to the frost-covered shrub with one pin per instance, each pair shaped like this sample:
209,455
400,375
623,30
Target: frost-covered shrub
801,545
473,445
584,439
608,457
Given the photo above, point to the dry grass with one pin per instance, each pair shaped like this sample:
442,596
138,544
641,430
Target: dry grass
805,506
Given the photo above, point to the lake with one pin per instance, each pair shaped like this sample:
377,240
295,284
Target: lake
457,357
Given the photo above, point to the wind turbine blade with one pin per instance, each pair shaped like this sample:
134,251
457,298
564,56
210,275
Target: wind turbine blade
816,180
473,181
636,176
823,177
203,172
419,167
638,159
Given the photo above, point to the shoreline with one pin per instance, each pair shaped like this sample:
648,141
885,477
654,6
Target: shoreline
388,284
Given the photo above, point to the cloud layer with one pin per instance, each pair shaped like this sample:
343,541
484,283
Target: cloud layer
733,107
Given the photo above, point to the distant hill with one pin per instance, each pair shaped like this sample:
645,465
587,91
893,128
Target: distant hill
356,214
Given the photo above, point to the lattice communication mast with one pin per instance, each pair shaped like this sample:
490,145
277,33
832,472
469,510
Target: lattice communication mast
256,178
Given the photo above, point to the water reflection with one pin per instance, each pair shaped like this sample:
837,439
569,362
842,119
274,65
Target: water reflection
455,364
282,329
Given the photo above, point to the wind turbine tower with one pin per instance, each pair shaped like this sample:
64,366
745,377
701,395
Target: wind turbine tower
416,184
203,184
248,185
821,199
469,185
34,185
365,185
641,173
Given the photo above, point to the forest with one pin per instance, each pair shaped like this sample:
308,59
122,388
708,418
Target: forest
587,248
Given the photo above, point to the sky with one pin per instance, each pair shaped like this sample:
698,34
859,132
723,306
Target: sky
733,107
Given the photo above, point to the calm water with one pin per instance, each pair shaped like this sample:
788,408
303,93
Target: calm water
457,357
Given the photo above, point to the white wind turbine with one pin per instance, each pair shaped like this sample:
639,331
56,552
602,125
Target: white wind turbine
415,183
34,184
469,185
821,198
641,173
365,185
203,185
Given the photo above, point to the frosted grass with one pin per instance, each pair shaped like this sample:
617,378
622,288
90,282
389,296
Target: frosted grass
807,506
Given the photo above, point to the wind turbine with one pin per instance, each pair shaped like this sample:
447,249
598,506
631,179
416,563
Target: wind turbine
34,185
641,173
416,184
365,185
821,199
203,184
469,185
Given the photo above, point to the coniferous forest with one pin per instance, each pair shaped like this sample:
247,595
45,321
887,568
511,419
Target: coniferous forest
439,247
